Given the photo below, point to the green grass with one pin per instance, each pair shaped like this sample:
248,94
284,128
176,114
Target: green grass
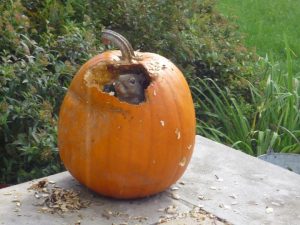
275,123
266,23
273,29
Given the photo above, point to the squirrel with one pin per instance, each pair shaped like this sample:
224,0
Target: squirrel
128,87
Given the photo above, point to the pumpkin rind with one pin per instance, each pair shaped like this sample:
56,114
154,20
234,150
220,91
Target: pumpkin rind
123,150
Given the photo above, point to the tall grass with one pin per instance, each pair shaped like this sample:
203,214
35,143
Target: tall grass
275,122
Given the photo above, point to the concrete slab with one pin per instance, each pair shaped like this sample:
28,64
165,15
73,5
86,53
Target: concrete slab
224,182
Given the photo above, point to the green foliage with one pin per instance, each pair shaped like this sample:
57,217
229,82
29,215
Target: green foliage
270,27
265,25
36,66
275,123
190,33
43,43
273,20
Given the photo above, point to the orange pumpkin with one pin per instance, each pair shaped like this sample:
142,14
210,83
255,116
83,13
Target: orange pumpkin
125,150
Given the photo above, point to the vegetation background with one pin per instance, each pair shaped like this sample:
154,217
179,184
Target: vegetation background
246,90
267,25
272,29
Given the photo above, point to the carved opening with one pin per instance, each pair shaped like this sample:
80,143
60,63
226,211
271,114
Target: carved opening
126,82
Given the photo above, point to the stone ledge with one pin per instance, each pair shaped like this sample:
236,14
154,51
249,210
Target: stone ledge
227,183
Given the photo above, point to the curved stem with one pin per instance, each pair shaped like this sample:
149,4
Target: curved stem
121,42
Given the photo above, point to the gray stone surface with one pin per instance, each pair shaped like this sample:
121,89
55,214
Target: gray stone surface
227,183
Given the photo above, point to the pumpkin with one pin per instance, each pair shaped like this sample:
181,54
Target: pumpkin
125,150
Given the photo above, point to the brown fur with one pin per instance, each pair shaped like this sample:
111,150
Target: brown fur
130,88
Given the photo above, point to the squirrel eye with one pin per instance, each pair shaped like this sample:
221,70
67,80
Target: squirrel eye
132,80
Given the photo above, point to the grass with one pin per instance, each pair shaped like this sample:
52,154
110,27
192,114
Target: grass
273,29
275,123
267,24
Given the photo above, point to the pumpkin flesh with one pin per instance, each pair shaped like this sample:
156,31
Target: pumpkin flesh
124,150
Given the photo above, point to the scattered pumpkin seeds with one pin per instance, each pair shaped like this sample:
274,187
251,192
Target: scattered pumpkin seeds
37,195
175,188
236,211
223,206
199,215
175,196
107,214
233,196
269,210
172,209
140,218
201,197
182,182
276,203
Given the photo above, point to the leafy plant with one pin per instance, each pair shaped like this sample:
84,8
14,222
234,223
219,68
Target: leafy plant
275,121
43,43
190,33
34,75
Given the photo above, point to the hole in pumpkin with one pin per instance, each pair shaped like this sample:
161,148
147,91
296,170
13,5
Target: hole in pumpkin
128,83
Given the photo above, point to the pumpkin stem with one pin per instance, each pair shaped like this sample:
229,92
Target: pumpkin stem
121,42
